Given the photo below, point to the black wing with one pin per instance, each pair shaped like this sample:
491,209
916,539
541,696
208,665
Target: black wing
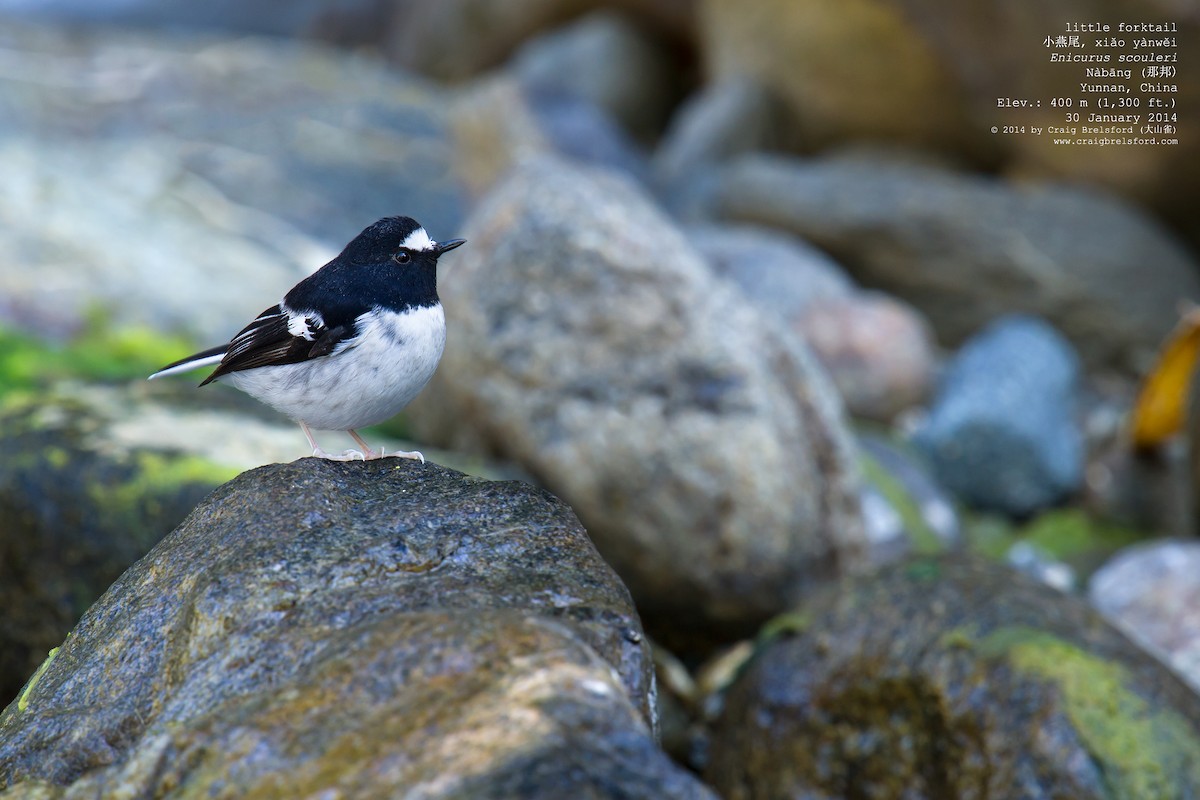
269,341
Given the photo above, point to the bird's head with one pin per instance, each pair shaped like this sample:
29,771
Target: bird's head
401,240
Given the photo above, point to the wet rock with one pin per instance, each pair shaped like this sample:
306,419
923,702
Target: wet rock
700,444
1002,433
950,678
186,183
366,628
1152,593
94,475
965,250
81,502
607,60
799,52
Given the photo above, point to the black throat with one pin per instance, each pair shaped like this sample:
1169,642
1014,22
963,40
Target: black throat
342,290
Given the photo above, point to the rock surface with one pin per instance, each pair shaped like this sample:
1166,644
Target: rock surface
834,66
701,445
965,250
1152,593
986,47
497,124
1002,432
948,678
454,39
607,60
94,475
81,502
717,122
187,183
914,72
365,628
776,270
878,350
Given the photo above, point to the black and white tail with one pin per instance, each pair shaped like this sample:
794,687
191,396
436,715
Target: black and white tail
207,358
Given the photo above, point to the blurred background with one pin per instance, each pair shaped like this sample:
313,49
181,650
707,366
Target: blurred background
752,285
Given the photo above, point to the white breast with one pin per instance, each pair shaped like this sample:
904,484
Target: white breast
366,380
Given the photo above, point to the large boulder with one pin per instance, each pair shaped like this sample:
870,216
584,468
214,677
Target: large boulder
954,678
966,249
701,444
358,627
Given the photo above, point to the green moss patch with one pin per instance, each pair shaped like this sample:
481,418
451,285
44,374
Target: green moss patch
157,475
99,352
1142,751
1070,533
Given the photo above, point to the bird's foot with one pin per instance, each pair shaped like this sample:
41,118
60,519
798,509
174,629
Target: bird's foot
371,455
413,454
346,455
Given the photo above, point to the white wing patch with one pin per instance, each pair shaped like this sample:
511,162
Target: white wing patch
298,322
418,240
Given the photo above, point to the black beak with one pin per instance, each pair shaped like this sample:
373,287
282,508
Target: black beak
448,245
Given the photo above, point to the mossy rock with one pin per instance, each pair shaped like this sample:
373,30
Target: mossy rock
77,512
955,677
370,629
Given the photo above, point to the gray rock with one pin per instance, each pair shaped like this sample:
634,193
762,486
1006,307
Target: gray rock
341,20
719,121
1002,433
964,250
878,351
776,270
1152,593
363,628
187,183
701,445
610,62
951,678
584,133
497,125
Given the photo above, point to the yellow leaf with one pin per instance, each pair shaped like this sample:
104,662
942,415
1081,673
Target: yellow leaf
1161,408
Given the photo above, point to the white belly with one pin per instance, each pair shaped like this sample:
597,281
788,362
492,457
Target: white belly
358,385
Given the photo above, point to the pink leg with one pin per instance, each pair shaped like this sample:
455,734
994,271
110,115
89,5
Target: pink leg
349,455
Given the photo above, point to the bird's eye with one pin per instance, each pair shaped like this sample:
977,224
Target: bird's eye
402,257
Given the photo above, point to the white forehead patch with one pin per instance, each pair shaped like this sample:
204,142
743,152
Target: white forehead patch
418,240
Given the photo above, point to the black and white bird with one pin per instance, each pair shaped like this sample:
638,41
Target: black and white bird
351,344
